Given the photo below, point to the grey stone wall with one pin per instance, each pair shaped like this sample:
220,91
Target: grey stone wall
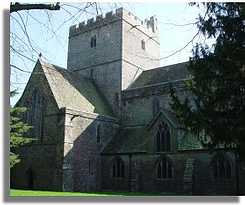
118,57
81,165
135,58
103,62
44,155
137,104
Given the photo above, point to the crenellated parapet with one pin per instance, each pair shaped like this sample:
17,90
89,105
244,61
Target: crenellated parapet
148,26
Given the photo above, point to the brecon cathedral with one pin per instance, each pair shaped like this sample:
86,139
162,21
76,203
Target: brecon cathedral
105,123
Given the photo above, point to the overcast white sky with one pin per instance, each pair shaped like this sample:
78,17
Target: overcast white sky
48,33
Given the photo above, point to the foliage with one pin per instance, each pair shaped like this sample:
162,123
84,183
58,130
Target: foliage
217,106
18,130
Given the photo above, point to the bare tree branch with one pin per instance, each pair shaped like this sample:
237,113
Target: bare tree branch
180,25
19,53
17,6
14,66
179,50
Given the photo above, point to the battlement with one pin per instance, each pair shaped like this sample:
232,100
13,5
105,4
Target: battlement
148,26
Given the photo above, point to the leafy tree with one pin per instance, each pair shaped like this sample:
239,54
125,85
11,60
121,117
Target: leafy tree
217,106
18,130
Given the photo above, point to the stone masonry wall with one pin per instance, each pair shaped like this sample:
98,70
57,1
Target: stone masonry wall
81,165
118,57
144,178
135,58
103,62
44,155
137,104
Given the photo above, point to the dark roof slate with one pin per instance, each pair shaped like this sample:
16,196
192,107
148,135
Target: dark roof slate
129,140
161,74
73,91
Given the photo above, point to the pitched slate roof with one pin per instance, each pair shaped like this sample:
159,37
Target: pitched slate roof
129,140
72,91
161,74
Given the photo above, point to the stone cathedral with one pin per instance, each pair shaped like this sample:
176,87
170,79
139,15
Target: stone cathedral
105,124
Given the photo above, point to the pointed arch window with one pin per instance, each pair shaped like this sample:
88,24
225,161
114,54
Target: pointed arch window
155,106
38,108
164,169
221,167
163,143
118,168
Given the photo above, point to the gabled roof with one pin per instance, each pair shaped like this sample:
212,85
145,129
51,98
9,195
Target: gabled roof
73,91
168,115
161,74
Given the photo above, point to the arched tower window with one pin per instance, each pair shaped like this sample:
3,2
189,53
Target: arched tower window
143,44
155,106
163,143
98,134
118,168
93,42
164,169
221,167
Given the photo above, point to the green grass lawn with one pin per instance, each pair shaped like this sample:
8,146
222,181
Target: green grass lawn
17,192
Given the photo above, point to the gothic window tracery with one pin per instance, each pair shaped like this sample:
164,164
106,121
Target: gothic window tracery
163,143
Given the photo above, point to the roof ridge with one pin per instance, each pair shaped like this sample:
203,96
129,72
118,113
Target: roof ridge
167,66
59,68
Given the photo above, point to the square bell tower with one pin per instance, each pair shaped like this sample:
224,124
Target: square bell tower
113,50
